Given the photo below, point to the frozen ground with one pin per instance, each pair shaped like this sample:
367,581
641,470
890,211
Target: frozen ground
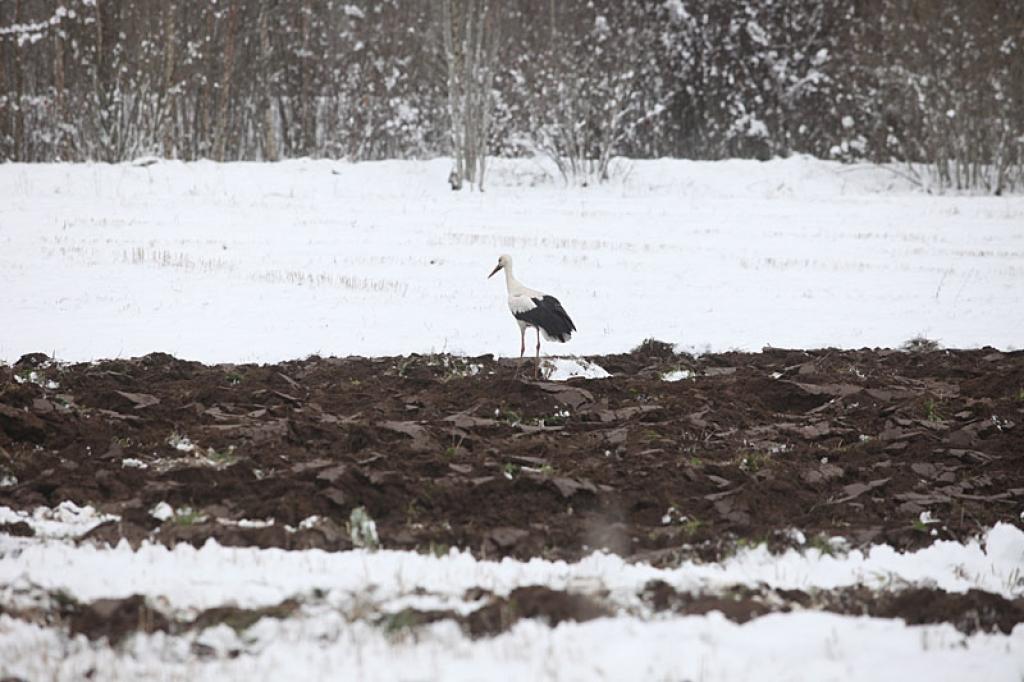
334,635
802,646
191,578
261,262
264,262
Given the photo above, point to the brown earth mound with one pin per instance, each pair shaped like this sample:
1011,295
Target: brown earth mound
444,451
970,612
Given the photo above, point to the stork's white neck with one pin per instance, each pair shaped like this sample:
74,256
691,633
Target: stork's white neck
517,288
511,283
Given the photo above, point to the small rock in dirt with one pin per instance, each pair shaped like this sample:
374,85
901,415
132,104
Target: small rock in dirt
380,478
421,439
855,490
139,400
815,431
975,456
697,419
336,496
719,481
571,396
312,465
925,469
507,537
823,473
570,486
332,474
896,433
923,499
733,509
808,368
464,420
42,406
617,436
526,460
834,390
288,398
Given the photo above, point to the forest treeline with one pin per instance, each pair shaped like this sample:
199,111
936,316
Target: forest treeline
915,81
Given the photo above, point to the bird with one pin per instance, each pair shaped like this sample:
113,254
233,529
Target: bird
533,308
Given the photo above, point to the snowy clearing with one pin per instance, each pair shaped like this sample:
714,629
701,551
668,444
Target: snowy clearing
259,262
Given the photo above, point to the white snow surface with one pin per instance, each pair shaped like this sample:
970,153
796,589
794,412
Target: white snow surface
342,590
249,262
262,262
797,646
188,578
562,369
66,520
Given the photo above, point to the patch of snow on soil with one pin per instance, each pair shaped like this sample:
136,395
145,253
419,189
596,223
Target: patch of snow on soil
66,520
560,369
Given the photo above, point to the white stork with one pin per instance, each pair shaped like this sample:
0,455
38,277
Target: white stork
533,308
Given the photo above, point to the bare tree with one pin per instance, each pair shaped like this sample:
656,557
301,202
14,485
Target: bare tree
937,86
224,98
470,32
268,137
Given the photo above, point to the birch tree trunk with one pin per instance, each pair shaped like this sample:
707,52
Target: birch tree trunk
19,113
469,33
454,92
5,125
307,110
59,90
270,152
167,106
224,99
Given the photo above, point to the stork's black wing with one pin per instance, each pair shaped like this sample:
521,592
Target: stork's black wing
550,317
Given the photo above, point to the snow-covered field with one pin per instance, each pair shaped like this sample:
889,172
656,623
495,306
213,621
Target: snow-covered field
189,578
332,635
262,262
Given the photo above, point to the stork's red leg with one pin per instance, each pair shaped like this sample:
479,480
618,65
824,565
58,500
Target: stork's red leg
522,349
538,352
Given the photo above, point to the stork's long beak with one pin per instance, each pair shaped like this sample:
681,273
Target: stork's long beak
496,268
